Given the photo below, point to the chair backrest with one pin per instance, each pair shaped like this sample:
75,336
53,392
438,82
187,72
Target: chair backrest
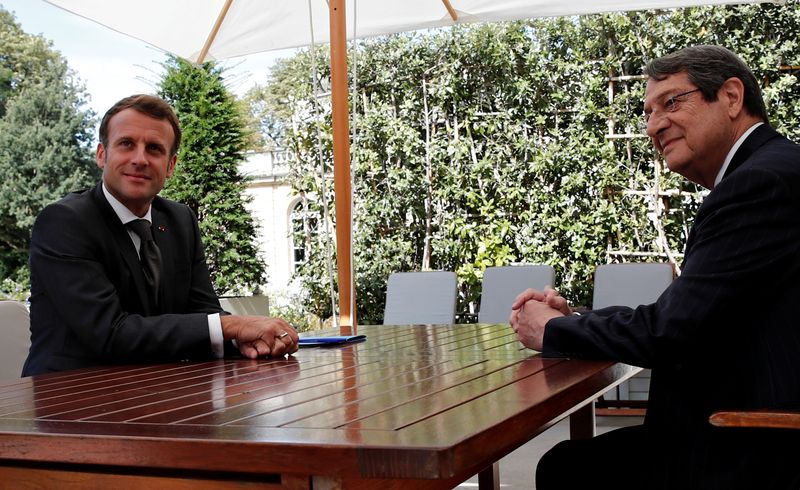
420,297
501,285
246,305
15,338
630,284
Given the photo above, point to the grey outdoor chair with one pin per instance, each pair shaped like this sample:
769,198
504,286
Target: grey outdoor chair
420,298
629,285
501,285
245,305
15,338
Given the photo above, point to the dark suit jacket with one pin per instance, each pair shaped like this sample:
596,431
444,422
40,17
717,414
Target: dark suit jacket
725,334
89,305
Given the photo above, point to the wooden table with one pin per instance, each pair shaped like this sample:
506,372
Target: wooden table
411,407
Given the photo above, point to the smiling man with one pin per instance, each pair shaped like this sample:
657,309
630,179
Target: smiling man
694,127
118,274
127,142
725,334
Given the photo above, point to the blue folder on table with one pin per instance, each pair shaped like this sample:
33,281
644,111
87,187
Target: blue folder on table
333,340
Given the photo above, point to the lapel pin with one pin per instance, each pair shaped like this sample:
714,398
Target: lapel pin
162,228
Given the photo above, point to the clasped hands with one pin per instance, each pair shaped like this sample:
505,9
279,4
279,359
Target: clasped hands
259,336
532,310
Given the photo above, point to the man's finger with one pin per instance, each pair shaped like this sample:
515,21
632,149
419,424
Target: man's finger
525,296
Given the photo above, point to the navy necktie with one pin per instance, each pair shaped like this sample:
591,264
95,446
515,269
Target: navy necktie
149,255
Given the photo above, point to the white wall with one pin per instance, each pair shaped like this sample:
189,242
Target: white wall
272,201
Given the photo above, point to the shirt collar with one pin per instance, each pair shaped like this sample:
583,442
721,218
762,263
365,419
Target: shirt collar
124,214
732,152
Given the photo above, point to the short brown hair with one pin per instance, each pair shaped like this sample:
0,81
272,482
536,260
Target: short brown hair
149,105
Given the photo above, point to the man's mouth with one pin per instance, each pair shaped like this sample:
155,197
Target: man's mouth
666,143
137,177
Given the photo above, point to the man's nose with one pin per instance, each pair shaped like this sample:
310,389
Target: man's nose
140,155
656,123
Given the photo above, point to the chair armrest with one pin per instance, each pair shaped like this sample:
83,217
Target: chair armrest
777,419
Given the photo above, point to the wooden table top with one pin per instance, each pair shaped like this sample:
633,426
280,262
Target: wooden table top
429,402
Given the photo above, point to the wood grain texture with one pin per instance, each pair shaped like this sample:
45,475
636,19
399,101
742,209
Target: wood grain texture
774,419
417,405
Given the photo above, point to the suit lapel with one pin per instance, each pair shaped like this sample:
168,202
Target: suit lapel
757,138
125,247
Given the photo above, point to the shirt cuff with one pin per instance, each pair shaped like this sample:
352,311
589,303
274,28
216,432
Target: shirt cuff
215,334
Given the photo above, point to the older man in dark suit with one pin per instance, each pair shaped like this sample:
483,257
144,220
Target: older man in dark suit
118,273
725,334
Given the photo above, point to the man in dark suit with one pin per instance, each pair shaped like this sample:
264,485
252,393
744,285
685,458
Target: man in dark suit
94,301
725,334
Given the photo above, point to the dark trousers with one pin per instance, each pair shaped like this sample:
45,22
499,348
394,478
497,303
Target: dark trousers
631,458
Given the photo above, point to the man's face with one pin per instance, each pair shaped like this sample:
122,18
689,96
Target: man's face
137,161
695,137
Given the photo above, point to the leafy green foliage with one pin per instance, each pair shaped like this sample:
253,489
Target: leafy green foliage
488,145
207,176
45,142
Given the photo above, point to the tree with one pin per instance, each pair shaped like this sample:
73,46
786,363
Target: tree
207,176
519,142
45,139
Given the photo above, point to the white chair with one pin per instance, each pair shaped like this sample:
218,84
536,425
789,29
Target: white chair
420,298
501,285
245,305
629,285
15,338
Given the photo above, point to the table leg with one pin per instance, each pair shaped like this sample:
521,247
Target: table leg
581,422
489,477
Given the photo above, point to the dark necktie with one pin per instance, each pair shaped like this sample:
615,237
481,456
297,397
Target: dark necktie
149,255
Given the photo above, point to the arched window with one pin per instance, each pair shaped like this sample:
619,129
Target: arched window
303,228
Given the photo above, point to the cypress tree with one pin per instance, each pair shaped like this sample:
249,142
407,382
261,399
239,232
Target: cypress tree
207,176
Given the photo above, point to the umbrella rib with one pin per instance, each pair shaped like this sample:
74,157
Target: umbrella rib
450,10
213,34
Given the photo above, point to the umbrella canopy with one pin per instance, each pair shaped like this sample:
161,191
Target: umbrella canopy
200,30
250,26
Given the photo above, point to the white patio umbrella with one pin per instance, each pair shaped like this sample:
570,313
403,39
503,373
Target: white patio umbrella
201,30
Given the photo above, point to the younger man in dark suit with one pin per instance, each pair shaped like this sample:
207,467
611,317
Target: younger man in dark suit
725,334
94,301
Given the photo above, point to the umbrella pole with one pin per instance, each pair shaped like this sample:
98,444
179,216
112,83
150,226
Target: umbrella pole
341,164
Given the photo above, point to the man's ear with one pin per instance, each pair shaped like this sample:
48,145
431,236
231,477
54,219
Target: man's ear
100,156
171,165
732,93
